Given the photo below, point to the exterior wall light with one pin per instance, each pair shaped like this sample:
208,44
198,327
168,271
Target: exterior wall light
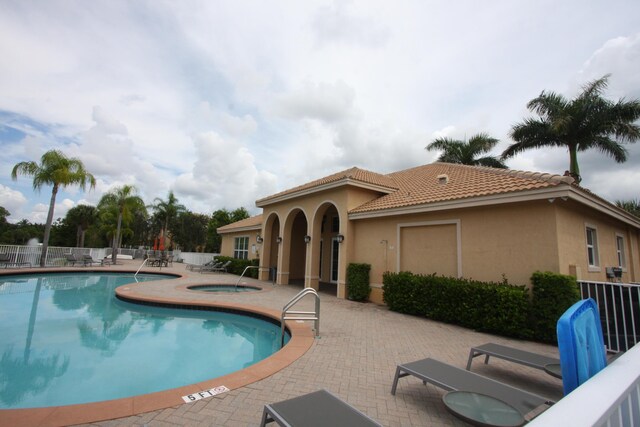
259,239
279,239
307,239
340,238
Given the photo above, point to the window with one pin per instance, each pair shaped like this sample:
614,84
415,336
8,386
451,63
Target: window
622,263
241,248
592,247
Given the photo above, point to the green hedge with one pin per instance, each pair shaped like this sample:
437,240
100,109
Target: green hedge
496,308
237,266
553,294
358,288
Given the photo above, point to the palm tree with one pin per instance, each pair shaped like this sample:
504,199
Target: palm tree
632,206
82,216
466,153
120,204
57,170
168,209
585,122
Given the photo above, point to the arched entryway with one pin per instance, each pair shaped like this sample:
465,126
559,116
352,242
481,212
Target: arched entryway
270,255
325,249
294,249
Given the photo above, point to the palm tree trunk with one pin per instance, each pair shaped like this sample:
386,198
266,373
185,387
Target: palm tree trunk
116,239
574,169
47,227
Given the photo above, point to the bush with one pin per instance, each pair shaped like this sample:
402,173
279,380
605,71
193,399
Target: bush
237,266
552,294
497,308
358,281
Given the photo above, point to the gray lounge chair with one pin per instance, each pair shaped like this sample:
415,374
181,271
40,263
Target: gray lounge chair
6,260
316,409
198,267
217,269
451,378
550,365
73,259
87,260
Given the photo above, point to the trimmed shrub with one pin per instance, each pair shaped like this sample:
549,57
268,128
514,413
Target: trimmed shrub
497,308
552,294
237,266
358,287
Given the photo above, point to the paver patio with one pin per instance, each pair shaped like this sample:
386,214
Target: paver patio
354,357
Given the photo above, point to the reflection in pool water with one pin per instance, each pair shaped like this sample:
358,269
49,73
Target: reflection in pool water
66,339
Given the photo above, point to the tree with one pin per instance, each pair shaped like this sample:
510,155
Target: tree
119,204
191,231
466,153
57,170
631,206
585,122
82,217
220,218
168,210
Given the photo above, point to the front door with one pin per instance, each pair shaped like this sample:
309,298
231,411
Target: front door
335,251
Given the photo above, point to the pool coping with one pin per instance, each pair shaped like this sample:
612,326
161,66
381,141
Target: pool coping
302,338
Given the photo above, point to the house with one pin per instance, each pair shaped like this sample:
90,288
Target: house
456,220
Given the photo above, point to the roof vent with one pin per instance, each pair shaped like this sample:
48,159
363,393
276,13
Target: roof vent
443,179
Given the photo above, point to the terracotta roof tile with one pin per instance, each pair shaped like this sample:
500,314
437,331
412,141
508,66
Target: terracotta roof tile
352,174
420,185
254,221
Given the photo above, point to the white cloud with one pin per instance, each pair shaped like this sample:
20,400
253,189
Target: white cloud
13,201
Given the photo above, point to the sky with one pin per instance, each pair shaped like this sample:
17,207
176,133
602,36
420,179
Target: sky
226,102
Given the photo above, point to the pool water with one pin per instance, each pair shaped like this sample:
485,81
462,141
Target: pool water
66,339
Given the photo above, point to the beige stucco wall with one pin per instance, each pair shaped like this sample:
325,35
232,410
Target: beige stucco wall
572,222
511,241
226,247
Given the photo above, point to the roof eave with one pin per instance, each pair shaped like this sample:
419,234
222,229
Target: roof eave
563,192
239,229
323,187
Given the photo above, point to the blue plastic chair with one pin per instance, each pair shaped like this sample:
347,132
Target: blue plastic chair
580,343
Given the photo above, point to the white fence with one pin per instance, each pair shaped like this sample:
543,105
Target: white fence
57,256
619,308
610,398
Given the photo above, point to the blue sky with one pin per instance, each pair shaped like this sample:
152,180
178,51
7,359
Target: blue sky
225,102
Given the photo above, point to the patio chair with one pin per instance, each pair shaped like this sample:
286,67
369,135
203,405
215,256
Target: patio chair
217,269
199,267
550,365
72,259
451,378
5,259
319,408
88,260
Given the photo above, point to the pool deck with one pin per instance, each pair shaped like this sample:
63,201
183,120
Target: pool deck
355,357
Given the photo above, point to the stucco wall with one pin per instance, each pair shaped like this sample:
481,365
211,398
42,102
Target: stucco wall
226,247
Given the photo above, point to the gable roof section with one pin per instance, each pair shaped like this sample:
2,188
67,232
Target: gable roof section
248,224
421,185
353,176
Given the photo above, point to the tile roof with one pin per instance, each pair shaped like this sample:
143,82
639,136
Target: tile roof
253,222
353,175
420,185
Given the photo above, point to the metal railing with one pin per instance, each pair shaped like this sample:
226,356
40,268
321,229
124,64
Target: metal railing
301,315
609,398
619,308
242,275
56,255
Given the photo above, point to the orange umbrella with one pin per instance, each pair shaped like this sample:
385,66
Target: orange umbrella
155,244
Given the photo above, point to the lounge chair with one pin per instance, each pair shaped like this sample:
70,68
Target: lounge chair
217,269
550,365
319,408
6,260
451,378
72,259
87,260
197,267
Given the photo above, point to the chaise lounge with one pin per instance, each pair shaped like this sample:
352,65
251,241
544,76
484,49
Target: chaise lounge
451,378
538,361
216,268
319,408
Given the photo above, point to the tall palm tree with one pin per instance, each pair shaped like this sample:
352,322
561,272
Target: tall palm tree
585,122
57,170
168,209
466,153
119,203
632,206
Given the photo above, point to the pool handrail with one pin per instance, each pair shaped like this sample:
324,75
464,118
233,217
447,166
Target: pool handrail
140,268
240,278
301,315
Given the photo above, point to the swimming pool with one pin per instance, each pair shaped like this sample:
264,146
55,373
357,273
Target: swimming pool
65,339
